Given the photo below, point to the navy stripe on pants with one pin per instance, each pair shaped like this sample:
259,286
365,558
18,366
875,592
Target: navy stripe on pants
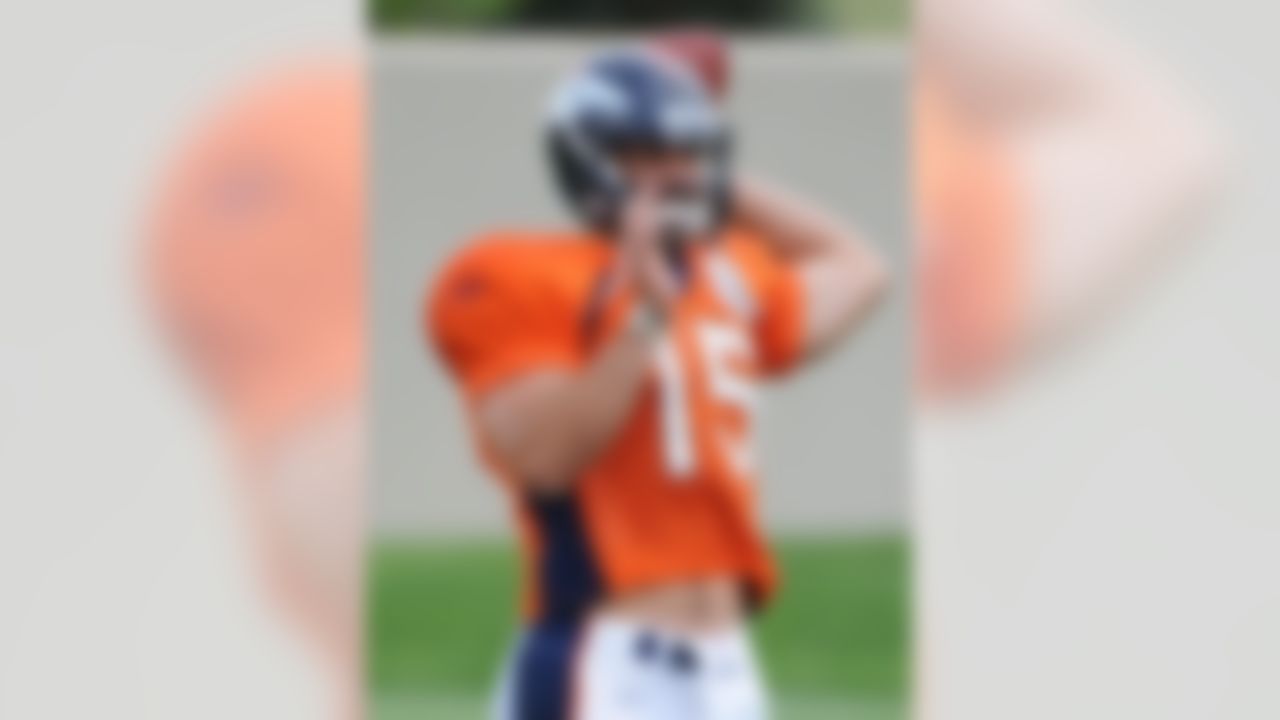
543,681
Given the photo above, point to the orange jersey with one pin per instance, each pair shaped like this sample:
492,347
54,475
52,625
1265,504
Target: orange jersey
671,497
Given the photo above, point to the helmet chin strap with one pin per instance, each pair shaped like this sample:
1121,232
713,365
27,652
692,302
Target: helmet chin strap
675,249
685,221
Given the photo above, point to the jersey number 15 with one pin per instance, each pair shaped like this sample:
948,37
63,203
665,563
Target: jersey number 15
723,351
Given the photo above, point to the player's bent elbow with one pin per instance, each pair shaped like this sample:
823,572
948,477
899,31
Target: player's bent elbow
868,280
547,473
842,293
540,464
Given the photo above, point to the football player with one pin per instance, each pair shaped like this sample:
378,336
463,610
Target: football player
610,374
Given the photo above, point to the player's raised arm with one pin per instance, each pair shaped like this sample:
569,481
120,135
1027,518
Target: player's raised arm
547,425
841,275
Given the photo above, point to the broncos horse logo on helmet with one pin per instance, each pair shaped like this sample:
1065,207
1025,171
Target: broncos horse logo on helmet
637,100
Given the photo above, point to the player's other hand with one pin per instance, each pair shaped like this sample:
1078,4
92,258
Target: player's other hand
646,263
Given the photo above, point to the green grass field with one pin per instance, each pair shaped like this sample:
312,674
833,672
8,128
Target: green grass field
834,644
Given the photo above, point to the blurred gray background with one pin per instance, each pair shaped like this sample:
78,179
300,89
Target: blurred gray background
455,130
